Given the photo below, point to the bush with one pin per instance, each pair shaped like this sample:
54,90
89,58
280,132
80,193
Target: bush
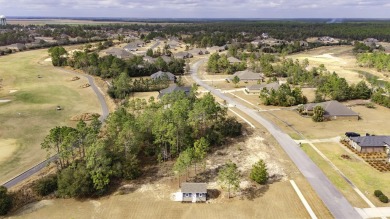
378,193
5,201
46,185
383,199
259,172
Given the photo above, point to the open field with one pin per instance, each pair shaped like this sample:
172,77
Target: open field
31,112
365,177
149,197
373,121
339,59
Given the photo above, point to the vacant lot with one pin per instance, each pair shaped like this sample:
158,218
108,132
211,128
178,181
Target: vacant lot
35,89
150,197
339,59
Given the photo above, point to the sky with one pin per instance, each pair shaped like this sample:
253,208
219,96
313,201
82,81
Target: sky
198,8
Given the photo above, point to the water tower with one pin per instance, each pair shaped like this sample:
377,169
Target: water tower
3,20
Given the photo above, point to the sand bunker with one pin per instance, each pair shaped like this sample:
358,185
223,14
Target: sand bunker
48,60
84,116
12,91
5,101
7,148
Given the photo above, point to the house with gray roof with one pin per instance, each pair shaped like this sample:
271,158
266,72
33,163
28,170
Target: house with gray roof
370,143
160,75
333,110
194,192
248,76
257,88
17,47
174,88
182,55
119,53
233,60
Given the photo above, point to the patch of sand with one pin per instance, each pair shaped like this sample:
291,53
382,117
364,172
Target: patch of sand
12,91
48,60
5,101
7,148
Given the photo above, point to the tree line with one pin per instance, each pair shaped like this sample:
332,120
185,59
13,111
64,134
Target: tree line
91,155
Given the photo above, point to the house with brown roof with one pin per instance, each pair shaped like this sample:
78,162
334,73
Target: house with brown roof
194,192
333,110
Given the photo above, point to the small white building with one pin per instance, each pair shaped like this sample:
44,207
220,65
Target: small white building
194,192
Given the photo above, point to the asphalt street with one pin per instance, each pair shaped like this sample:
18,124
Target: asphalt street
332,198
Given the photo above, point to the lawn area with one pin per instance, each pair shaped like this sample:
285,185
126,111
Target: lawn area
31,112
365,177
334,177
372,121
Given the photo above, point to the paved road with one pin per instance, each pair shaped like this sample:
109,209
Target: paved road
43,164
332,198
98,93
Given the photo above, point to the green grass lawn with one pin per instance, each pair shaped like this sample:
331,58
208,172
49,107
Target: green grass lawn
335,178
365,177
32,110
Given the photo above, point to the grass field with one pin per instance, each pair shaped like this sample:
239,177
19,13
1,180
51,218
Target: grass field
372,122
365,177
31,112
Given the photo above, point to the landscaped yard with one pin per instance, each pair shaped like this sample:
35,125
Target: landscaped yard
365,177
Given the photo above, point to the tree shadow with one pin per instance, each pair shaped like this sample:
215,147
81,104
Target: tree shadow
253,192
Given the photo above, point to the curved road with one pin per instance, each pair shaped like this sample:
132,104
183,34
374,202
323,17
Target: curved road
44,163
333,199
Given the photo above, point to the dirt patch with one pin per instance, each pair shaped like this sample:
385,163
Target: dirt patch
7,148
12,91
84,117
75,78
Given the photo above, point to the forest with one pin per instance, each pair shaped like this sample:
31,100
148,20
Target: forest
91,156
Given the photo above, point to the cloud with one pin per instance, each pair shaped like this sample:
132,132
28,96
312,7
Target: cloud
195,8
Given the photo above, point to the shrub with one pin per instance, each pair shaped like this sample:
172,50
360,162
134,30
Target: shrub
378,193
5,201
259,172
383,199
46,185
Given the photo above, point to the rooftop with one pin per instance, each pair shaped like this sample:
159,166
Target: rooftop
371,141
194,187
332,108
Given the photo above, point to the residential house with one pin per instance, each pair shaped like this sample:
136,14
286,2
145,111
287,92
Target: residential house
197,51
333,110
119,53
370,143
149,59
215,49
248,76
233,60
163,75
17,47
134,46
194,192
182,55
173,88
257,88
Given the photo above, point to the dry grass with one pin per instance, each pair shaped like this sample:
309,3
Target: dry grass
31,113
335,178
7,148
151,199
372,122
